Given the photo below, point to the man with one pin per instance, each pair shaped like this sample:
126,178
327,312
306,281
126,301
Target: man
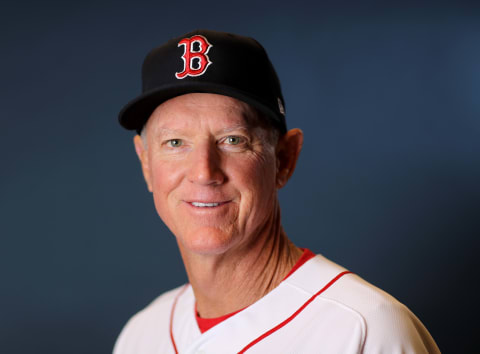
214,150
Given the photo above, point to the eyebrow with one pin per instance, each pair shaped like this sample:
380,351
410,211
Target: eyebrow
164,131
233,128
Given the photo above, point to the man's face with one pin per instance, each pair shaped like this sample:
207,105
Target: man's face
212,171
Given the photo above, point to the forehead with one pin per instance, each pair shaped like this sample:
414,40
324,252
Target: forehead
199,109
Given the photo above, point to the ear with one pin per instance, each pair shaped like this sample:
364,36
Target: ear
287,151
143,157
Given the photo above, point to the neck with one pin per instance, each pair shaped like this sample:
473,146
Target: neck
236,279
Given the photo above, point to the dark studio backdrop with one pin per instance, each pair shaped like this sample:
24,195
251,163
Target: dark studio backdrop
387,185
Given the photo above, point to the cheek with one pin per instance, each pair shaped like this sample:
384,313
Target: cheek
164,177
255,179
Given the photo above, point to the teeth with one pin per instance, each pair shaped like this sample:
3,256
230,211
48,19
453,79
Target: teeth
203,205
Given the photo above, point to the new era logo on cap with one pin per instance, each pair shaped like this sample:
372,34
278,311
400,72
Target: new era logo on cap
196,61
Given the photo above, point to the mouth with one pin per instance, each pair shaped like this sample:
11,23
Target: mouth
207,204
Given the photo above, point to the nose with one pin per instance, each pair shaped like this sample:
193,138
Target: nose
205,165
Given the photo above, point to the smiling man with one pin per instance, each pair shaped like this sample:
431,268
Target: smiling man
214,151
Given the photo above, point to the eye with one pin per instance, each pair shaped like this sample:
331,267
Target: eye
233,140
175,143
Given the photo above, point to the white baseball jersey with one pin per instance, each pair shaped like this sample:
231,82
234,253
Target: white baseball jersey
320,308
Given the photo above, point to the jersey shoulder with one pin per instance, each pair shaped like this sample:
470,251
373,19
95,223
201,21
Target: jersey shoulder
388,325
140,334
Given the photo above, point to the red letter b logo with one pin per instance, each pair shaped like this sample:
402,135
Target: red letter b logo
195,62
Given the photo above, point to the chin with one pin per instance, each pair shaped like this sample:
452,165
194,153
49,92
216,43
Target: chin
207,241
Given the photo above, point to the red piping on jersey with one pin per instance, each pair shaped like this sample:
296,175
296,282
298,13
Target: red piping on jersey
306,256
171,317
204,324
280,325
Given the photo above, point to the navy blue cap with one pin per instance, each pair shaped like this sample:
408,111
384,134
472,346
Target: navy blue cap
206,61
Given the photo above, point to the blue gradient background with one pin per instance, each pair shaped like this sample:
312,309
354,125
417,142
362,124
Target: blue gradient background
387,185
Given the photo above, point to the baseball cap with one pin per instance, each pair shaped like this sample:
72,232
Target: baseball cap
205,61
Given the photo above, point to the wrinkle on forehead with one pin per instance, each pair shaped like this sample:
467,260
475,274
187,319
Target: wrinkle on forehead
227,107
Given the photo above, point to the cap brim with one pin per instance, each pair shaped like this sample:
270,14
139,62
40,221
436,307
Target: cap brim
135,114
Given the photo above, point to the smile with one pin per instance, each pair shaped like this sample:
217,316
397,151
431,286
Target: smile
205,205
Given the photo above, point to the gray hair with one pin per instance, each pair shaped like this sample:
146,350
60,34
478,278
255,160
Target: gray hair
143,135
